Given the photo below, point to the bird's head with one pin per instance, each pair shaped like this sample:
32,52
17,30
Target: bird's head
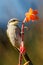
13,21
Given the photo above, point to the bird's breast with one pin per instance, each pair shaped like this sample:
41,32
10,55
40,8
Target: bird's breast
11,33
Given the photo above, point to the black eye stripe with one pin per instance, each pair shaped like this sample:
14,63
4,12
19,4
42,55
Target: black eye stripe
12,21
15,20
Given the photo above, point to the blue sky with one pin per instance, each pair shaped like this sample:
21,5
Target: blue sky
17,8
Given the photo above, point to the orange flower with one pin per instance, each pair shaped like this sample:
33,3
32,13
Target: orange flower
31,15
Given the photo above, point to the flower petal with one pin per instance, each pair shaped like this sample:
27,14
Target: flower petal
35,12
27,19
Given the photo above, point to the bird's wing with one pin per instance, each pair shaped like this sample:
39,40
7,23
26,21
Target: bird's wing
18,30
18,34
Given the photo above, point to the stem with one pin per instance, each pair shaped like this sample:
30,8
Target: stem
22,44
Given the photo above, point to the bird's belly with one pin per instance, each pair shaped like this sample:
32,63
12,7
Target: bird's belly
12,35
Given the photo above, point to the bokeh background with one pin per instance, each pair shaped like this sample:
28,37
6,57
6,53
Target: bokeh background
33,38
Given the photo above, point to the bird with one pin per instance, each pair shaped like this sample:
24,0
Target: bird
14,32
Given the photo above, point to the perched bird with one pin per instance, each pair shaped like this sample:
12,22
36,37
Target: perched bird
14,32
14,35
